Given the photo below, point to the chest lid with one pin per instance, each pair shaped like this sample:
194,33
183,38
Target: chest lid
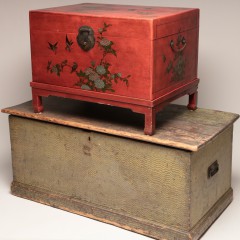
133,21
177,127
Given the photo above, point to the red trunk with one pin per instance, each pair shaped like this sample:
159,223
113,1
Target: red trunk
128,56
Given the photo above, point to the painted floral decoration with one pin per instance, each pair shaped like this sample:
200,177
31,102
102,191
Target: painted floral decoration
176,66
98,76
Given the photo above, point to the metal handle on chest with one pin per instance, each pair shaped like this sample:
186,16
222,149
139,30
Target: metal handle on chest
85,38
213,169
181,40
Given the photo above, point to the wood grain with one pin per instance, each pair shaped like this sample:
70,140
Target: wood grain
176,125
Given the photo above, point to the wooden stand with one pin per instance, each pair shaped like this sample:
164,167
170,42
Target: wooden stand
148,108
172,185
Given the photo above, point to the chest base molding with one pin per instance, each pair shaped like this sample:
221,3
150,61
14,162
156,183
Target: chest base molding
140,226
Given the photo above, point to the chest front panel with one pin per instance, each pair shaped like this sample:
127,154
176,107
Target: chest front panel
114,64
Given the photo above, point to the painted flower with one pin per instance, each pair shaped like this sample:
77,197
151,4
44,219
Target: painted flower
179,68
88,71
99,84
105,42
101,69
97,76
85,87
93,76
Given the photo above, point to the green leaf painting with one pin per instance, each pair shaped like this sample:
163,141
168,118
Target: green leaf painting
69,44
176,66
98,75
53,47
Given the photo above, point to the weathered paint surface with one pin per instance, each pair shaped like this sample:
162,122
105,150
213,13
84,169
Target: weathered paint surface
151,183
206,191
176,126
135,183
161,232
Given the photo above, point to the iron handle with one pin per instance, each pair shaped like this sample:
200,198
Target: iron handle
213,169
85,38
175,49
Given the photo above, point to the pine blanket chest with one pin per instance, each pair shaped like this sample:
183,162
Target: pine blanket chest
133,57
169,186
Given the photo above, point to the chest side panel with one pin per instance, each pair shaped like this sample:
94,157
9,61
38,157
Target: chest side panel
207,190
175,52
175,61
119,62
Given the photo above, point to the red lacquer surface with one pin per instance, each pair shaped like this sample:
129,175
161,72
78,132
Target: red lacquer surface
140,71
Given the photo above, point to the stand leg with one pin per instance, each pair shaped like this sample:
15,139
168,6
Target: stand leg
37,103
150,121
192,105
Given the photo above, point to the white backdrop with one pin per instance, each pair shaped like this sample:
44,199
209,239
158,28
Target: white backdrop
219,71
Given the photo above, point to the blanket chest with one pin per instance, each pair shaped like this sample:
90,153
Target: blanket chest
172,185
134,57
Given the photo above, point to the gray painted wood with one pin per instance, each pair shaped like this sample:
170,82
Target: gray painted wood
95,161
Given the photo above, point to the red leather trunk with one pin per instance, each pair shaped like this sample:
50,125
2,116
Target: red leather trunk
135,57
